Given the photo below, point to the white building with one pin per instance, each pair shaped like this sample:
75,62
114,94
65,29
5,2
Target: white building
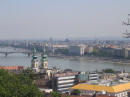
93,76
63,81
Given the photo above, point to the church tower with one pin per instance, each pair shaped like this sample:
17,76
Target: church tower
35,65
44,61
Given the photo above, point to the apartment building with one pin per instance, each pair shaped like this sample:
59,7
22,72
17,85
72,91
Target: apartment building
61,82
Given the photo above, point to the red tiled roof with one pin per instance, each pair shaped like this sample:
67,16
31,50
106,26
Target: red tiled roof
12,67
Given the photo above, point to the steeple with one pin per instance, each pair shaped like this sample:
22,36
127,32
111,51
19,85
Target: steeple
34,61
44,55
34,54
44,61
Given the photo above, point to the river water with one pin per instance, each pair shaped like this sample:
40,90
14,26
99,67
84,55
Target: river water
79,63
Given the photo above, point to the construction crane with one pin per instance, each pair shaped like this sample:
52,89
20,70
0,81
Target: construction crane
127,34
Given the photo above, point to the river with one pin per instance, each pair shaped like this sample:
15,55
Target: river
75,63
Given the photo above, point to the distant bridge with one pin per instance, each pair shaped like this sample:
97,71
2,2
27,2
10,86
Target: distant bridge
6,53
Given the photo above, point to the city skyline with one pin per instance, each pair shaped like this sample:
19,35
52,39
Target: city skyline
72,19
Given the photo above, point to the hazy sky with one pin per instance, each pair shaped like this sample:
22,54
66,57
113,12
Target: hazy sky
40,19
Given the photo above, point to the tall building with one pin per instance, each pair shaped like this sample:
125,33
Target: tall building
35,65
44,61
118,52
77,50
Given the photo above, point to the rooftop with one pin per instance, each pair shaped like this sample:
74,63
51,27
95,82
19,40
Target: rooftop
12,67
111,89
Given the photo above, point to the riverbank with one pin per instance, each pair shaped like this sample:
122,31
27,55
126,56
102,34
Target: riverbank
96,59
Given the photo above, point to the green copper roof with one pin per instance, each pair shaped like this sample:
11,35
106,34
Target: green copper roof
34,54
34,51
44,55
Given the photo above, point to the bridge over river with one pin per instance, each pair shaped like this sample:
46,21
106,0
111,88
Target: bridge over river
9,50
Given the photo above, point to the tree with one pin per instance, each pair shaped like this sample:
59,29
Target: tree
76,92
12,85
108,71
55,94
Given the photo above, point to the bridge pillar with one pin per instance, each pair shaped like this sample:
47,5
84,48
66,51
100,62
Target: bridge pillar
29,54
6,54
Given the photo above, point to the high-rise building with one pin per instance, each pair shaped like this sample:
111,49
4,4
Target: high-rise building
35,64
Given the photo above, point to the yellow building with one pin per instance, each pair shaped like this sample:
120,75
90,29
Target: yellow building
119,90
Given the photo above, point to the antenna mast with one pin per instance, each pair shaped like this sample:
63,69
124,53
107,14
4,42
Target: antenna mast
127,34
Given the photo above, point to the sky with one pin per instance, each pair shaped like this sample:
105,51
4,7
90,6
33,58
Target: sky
60,19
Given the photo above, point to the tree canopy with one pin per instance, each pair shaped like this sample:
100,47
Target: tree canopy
21,85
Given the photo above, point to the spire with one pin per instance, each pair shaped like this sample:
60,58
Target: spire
44,50
44,55
34,54
34,51
34,61
44,61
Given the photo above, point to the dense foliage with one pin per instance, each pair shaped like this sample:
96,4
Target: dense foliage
108,71
12,85
76,92
102,53
55,94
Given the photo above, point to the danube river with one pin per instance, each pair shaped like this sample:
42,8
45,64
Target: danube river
79,63
75,63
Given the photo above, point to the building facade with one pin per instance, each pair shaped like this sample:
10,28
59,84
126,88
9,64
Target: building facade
62,82
93,76
34,62
77,50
